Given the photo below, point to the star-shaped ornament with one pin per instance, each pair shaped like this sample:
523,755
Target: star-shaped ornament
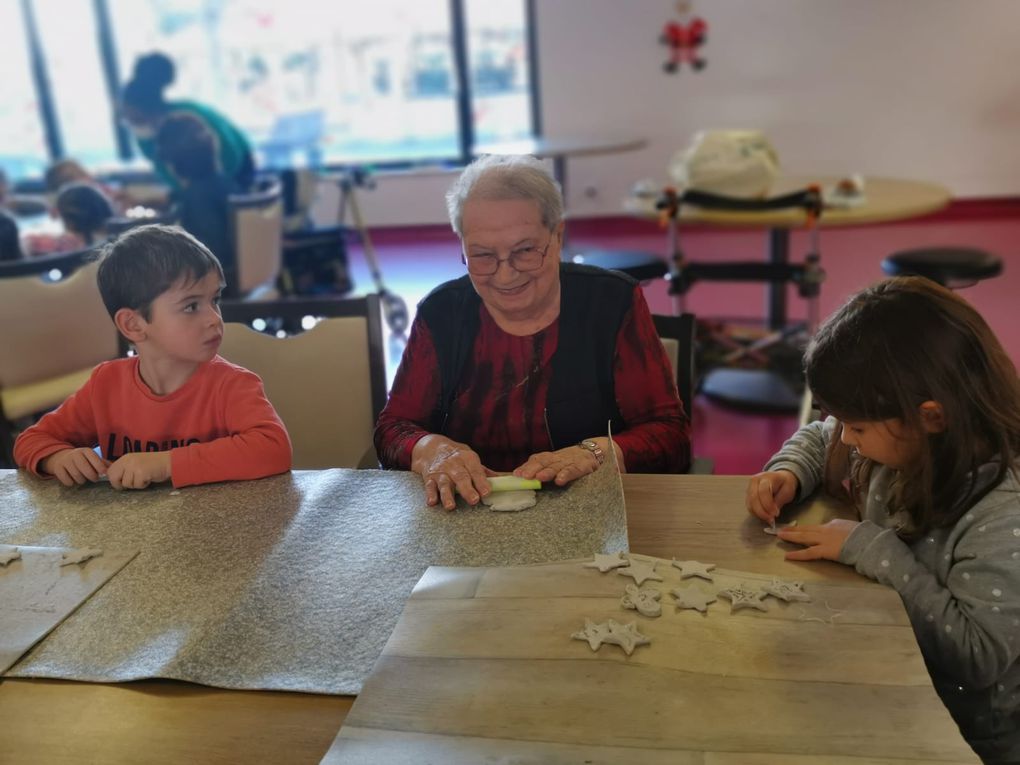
624,635
640,571
79,556
644,600
606,563
692,597
689,568
8,554
743,596
784,590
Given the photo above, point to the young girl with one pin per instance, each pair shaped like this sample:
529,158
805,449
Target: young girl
925,439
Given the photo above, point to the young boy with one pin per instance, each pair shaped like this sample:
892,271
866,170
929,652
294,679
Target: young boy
176,411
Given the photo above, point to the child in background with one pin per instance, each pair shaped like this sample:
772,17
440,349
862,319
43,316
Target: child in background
176,411
10,243
84,211
925,439
187,148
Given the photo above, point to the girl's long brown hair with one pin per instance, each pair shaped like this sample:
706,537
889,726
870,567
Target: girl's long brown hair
892,347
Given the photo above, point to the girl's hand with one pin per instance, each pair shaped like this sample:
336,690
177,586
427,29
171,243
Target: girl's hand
447,466
821,542
768,492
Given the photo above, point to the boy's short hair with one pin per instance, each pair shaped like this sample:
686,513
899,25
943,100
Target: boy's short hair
143,263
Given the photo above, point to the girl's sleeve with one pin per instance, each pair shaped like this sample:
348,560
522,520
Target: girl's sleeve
803,454
970,625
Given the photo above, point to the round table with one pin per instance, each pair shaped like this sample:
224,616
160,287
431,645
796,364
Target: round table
884,200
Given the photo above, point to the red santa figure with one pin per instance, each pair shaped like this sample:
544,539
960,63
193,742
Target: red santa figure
684,38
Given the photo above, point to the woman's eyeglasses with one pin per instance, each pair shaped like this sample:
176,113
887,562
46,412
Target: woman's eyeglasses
520,259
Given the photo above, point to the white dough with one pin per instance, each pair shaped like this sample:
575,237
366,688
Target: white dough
510,500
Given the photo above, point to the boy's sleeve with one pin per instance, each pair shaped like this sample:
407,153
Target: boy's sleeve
803,454
69,426
257,445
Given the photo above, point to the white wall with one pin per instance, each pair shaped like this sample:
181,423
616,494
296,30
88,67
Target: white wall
925,89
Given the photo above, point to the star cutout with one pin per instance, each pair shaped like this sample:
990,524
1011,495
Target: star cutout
689,568
624,635
742,596
606,563
692,597
787,591
8,554
640,571
645,600
79,556
771,530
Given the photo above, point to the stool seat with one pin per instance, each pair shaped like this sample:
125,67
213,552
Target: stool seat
643,266
949,266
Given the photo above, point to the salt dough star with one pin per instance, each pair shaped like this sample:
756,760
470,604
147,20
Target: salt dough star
692,597
624,635
9,554
79,556
510,501
689,568
779,588
640,571
644,600
742,596
606,563
771,530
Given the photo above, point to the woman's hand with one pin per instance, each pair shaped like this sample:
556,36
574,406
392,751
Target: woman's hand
820,541
445,466
768,492
561,466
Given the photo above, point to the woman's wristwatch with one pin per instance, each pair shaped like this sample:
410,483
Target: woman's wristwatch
594,449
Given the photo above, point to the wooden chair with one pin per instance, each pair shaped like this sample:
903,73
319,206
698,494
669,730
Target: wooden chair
677,336
54,334
328,383
257,235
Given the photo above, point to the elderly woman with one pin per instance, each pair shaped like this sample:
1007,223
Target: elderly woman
519,365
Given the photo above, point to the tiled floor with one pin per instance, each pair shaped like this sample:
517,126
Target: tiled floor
413,260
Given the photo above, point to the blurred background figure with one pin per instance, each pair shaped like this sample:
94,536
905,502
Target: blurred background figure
188,150
10,244
144,108
84,211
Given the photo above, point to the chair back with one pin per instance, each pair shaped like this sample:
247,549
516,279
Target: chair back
325,383
54,334
677,336
257,233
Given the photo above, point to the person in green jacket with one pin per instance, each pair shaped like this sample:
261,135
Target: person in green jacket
144,109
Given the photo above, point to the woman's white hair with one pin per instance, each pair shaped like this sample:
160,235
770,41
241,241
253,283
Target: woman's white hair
506,176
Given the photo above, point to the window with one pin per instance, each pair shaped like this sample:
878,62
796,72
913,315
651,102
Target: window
340,82
22,143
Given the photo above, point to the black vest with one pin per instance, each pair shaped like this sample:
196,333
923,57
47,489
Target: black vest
581,399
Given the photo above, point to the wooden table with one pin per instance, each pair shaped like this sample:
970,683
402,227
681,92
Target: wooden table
163,721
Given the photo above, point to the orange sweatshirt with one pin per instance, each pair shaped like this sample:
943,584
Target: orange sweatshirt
218,426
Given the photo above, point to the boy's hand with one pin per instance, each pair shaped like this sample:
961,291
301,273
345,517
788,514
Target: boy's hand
768,492
138,469
74,466
823,541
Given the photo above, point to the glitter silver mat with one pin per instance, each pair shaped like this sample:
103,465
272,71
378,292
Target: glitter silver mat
289,583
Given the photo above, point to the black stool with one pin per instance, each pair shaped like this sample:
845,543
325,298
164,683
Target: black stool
643,266
949,266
